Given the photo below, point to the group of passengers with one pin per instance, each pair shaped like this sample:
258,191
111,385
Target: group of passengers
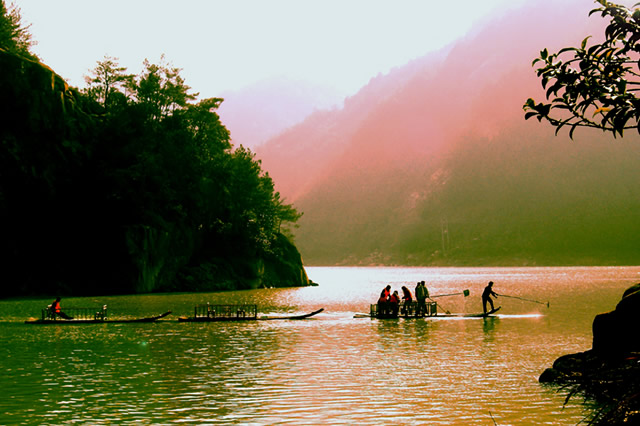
389,303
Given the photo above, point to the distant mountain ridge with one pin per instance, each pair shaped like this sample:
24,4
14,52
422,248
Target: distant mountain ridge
305,152
264,109
434,164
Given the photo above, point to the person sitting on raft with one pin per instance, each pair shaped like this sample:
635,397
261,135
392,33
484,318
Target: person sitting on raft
55,307
406,299
56,310
394,303
383,300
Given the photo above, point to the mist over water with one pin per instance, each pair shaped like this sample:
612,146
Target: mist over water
331,369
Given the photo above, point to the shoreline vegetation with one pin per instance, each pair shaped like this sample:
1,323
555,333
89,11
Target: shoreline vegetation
129,186
609,373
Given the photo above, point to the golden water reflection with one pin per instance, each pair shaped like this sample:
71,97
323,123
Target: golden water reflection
330,369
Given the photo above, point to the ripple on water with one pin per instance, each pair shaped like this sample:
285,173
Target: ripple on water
332,369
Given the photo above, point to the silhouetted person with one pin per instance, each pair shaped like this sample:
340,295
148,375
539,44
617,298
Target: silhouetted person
406,300
421,297
383,301
56,310
55,307
486,296
394,303
406,294
386,292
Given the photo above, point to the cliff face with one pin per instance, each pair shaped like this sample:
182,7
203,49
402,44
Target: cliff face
45,137
66,224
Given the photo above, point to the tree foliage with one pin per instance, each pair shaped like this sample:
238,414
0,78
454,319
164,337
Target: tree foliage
161,89
106,81
179,157
135,175
14,37
594,85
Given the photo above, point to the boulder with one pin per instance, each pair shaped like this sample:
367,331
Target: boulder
610,371
634,288
573,367
618,332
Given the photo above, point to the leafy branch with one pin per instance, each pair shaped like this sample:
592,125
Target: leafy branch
596,85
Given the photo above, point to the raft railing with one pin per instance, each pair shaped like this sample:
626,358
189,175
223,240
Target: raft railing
75,313
226,311
404,309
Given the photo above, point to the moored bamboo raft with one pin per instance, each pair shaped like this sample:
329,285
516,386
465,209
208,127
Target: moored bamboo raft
208,312
213,313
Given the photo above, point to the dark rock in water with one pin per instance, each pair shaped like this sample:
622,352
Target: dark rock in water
634,288
610,372
618,332
613,382
550,375
572,367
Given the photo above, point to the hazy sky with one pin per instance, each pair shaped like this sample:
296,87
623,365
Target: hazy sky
226,45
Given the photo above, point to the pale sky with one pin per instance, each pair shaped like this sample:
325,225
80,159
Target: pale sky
228,45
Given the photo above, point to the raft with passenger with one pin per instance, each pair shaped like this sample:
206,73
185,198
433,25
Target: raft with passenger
409,310
87,316
217,313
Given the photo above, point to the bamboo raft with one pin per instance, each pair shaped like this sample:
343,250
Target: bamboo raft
217,313
87,316
405,310
202,313
410,310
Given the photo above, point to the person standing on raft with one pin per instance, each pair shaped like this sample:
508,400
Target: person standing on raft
486,296
421,296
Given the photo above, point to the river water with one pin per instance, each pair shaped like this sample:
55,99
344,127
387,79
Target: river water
329,369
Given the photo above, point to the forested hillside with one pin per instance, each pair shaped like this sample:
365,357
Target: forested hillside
442,168
129,186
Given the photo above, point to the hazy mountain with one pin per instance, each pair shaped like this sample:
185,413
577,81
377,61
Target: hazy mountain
262,110
300,156
435,164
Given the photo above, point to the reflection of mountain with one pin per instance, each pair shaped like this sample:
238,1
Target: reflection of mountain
434,163
263,110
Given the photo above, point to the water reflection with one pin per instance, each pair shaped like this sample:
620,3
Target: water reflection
329,369
488,326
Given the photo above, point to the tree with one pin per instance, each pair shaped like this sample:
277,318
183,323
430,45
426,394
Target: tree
14,37
206,129
105,81
596,85
161,89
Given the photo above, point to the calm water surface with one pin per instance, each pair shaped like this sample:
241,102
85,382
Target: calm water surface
330,369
